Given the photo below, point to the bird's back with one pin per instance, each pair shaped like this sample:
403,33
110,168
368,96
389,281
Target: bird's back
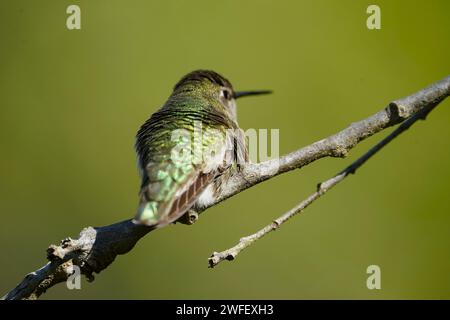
172,178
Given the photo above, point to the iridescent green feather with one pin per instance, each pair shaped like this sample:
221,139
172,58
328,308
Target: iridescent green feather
165,173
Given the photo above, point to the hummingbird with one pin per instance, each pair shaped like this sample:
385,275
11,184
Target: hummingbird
189,148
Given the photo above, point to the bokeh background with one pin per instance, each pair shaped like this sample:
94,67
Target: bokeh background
72,101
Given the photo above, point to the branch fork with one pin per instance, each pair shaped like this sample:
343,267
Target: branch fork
96,248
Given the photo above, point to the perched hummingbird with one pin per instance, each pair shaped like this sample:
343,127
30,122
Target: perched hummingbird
189,148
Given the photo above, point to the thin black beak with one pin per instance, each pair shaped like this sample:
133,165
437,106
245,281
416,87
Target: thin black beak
240,94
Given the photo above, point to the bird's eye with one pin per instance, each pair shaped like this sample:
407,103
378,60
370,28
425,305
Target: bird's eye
226,94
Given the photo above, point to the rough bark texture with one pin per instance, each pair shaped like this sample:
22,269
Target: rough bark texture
322,188
96,248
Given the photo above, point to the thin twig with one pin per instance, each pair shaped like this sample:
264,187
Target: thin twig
322,188
96,248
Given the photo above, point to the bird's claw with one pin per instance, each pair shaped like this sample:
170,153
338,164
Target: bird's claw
190,217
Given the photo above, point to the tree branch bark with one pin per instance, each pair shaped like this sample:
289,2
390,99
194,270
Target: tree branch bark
231,253
96,248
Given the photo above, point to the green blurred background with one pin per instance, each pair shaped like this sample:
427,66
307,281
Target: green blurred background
72,101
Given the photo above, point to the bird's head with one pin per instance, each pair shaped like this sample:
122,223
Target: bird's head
212,86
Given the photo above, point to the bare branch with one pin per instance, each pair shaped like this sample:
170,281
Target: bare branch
96,248
92,251
322,188
339,144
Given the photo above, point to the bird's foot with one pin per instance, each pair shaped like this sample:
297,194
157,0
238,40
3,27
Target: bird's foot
190,217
